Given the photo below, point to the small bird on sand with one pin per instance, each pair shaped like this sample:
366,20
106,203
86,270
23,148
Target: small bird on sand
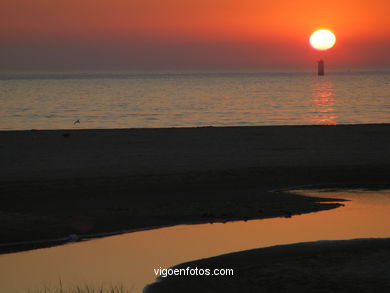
77,121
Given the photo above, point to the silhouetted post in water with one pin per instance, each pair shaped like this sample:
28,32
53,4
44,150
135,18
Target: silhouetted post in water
321,67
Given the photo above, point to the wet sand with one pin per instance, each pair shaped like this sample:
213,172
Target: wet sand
361,265
56,183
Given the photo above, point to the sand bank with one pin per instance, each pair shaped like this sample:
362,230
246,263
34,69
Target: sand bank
31,155
56,183
361,265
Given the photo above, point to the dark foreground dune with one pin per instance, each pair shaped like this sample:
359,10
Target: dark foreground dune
326,266
56,183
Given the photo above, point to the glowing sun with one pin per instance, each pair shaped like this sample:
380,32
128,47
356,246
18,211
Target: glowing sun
322,39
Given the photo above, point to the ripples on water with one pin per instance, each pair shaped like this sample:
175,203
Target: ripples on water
54,101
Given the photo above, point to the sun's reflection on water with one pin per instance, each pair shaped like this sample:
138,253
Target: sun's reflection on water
323,103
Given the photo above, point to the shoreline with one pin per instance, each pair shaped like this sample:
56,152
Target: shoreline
95,181
317,205
357,263
193,127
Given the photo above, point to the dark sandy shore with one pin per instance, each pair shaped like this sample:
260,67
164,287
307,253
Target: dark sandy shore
56,183
361,265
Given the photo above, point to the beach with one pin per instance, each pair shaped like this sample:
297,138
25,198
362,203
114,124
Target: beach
56,183
138,136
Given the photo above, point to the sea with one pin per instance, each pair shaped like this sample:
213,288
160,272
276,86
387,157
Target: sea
154,100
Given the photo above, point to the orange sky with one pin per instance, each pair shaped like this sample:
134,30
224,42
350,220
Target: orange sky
189,34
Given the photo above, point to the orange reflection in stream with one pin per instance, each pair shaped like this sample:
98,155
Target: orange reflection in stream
129,259
323,108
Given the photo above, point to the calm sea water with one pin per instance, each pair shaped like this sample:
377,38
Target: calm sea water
55,101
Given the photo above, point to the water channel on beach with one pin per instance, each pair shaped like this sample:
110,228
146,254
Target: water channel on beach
130,259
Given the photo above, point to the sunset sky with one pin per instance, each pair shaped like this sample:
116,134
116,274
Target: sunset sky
190,34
